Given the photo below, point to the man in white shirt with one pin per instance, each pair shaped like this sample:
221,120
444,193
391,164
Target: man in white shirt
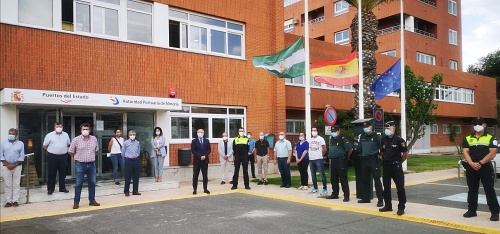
225,148
317,146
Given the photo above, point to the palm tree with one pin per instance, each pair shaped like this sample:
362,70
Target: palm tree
369,32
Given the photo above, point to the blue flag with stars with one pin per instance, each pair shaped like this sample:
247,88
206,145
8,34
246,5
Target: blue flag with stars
388,82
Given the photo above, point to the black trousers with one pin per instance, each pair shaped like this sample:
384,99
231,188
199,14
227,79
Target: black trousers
203,166
240,160
56,163
251,159
394,171
132,171
486,176
338,171
371,168
303,165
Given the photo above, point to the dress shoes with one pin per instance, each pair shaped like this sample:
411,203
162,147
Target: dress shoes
346,199
400,212
363,201
380,204
206,191
76,206
247,187
234,187
50,192
470,214
8,204
494,217
385,209
15,204
136,193
127,194
332,197
94,203
64,191
194,192
222,182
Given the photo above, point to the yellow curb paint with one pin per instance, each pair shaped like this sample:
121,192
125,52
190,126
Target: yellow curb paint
405,217
93,208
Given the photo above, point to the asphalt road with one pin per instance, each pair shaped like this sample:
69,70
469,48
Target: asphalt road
229,213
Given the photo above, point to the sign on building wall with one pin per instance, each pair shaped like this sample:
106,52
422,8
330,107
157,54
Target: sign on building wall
63,98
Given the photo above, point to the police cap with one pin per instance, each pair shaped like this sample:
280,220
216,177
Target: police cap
390,124
368,122
478,121
335,128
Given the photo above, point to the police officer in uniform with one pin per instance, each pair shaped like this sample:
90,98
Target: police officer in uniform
241,145
369,143
394,153
339,152
479,148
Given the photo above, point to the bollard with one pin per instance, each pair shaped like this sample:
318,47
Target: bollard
26,156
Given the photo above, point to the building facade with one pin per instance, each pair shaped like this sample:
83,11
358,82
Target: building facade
432,45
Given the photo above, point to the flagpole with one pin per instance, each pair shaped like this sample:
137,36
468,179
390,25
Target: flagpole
361,97
307,78
403,86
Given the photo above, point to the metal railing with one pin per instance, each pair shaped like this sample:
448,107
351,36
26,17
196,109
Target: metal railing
407,28
27,159
427,2
316,20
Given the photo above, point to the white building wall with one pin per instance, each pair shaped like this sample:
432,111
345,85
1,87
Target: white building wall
8,120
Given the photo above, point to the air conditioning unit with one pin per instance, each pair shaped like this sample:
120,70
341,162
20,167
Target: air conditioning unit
295,21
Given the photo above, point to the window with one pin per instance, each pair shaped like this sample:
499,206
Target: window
452,7
139,21
293,127
214,120
425,58
452,37
342,37
341,7
490,130
38,12
288,25
297,80
454,94
453,65
391,53
205,34
434,129
446,130
98,16
290,2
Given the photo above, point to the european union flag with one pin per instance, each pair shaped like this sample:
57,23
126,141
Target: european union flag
388,82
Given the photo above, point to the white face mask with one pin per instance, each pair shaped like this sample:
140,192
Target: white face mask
58,130
224,138
314,133
241,133
85,132
158,133
200,135
478,128
281,137
335,134
366,130
301,138
261,137
388,132
132,137
249,136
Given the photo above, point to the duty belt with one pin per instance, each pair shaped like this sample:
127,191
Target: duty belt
338,158
369,157
392,162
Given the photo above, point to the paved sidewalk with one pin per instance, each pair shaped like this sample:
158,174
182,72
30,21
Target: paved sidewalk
429,214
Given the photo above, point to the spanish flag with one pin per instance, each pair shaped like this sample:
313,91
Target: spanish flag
341,72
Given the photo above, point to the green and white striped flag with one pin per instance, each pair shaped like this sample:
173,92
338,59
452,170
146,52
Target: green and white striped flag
288,63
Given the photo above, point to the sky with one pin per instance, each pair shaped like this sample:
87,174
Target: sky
480,29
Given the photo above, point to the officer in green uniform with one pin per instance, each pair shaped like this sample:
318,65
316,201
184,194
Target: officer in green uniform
394,153
241,144
369,143
339,153
479,148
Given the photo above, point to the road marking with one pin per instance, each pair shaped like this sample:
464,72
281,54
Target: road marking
102,207
462,197
458,185
414,219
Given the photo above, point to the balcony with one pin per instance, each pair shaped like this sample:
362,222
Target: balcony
316,20
428,2
407,28
315,16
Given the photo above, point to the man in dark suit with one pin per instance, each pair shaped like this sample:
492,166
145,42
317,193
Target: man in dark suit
200,147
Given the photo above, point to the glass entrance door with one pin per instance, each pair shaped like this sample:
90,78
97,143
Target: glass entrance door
106,123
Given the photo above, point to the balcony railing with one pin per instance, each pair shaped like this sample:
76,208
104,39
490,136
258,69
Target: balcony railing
430,3
407,28
315,21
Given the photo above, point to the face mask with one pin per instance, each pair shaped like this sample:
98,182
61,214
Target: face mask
85,132
301,138
58,130
261,137
335,134
11,138
241,133
388,132
118,134
314,133
157,133
366,130
478,128
249,136
224,138
131,137
281,137
200,135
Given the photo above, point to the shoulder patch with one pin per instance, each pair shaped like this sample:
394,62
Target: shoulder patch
403,144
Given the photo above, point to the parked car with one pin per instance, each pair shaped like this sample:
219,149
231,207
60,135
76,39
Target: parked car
497,160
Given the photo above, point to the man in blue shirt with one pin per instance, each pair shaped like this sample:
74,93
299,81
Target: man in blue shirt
12,157
251,155
56,143
130,151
